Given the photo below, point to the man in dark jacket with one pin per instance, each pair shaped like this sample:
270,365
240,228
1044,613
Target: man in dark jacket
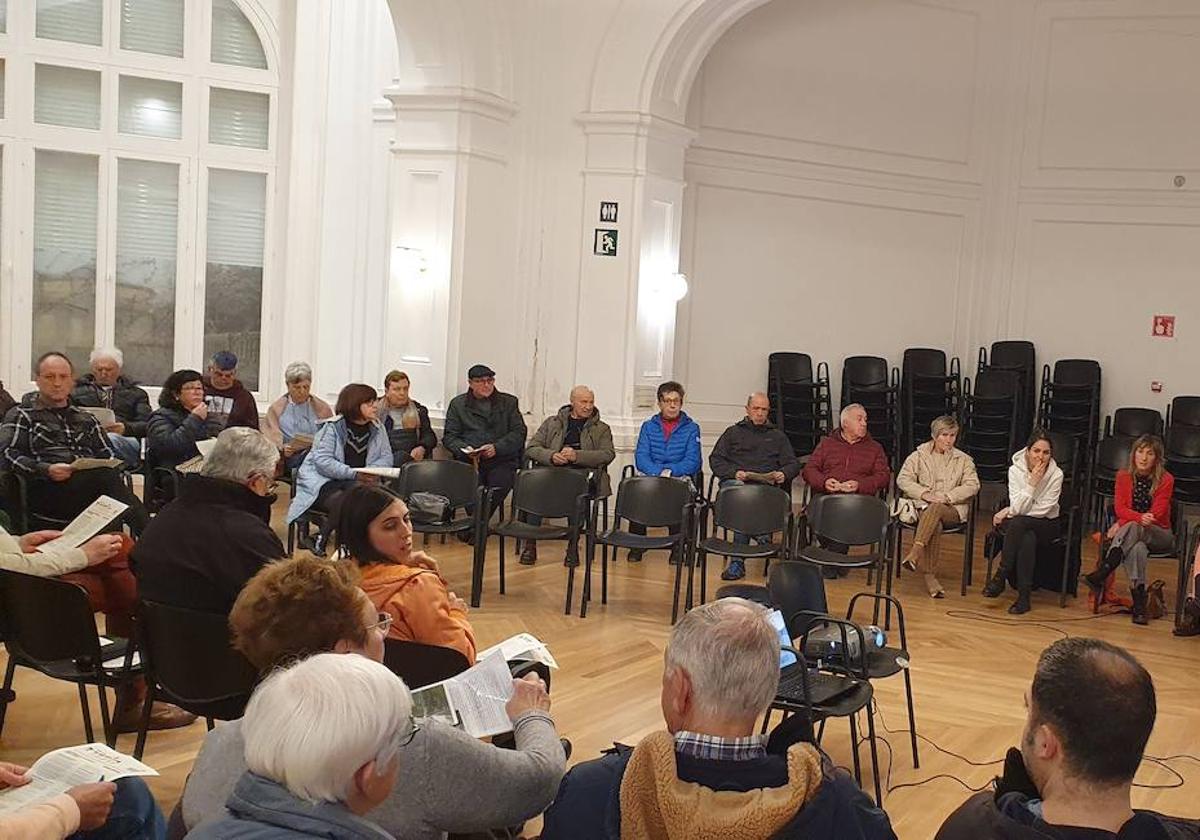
1090,713
485,426
215,535
666,784
107,387
405,420
753,450
575,438
229,403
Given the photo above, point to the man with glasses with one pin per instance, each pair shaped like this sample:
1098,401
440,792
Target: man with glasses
484,427
201,549
229,403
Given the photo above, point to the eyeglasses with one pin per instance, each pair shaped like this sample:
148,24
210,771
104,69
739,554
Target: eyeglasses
413,728
671,401
271,482
384,624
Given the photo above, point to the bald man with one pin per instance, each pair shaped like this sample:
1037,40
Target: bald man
575,438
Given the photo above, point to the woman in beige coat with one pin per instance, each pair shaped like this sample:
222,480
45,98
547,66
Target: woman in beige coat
940,480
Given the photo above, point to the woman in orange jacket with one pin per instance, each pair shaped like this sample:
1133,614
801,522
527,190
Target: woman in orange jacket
1142,504
374,529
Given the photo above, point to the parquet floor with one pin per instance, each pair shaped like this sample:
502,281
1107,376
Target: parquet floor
971,664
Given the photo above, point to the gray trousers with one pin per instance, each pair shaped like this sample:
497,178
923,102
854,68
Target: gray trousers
1137,542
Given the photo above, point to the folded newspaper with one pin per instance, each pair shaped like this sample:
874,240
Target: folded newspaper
193,464
94,519
58,771
522,646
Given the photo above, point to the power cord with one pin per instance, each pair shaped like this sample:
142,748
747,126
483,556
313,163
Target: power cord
969,615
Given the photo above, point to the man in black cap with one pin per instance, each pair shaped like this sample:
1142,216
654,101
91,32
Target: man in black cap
485,426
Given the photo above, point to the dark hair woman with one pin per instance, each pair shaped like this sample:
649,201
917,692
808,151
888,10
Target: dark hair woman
180,420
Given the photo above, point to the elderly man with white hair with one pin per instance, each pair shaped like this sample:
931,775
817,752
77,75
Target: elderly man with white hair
291,421
576,438
108,387
201,549
711,775
324,747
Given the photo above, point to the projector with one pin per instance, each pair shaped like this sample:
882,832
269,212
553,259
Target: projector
826,642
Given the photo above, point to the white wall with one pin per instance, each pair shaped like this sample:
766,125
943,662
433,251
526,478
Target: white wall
870,175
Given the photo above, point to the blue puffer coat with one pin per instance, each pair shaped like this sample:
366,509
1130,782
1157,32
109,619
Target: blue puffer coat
680,454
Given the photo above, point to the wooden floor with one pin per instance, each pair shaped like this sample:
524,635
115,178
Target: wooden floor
971,664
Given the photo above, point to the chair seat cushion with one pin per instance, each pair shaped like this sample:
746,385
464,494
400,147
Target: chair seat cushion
749,591
451,527
525,531
752,550
624,539
824,557
882,663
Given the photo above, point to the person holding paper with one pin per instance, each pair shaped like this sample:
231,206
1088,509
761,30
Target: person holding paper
42,440
95,811
291,421
107,387
180,420
200,550
353,440
302,606
406,421
374,529
484,426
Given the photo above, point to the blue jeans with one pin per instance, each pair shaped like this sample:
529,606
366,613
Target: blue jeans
134,816
127,449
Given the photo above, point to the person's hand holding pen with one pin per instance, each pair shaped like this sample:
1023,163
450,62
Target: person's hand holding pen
529,695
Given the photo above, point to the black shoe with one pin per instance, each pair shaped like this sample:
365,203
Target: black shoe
1139,605
529,554
994,588
314,545
566,745
467,537
635,555
1021,605
1096,578
829,573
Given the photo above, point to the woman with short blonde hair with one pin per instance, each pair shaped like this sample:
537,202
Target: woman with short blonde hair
940,481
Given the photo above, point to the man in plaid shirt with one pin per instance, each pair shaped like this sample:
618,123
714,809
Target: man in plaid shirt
41,441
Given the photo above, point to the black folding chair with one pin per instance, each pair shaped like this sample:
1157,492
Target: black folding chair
454,480
753,510
1132,423
420,665
189,661
653,502
851,520
49,627
965,527
1184,410
550,493
888,661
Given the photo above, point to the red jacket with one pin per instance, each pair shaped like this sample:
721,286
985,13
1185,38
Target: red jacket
1160,505
864,462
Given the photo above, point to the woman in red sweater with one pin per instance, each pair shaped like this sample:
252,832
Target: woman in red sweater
1142,504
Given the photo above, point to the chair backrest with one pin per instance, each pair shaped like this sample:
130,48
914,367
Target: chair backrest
1076,372
993,384
189,654
1135,422
1183,442
789,367
1065,447
420,665
550,491
1184,411
864,372
923,361
848,518
1112,455
46,619
455,480
653,500
752,509
796,586
1013,355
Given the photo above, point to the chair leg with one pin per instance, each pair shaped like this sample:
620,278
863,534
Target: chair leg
678,577
899,551
820,731
854,749
291,538
501,565
571,589
86,708
604,577
874,754
703,577
106,721
912,718
209,723
144,723
477,568
7,692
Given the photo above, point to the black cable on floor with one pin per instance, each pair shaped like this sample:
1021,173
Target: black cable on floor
970,615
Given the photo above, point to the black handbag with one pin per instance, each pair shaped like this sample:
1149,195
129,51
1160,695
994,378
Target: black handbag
428,508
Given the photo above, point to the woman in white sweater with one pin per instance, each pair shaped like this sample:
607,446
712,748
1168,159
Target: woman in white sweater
1031,518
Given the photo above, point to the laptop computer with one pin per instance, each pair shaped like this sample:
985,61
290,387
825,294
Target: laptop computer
822,687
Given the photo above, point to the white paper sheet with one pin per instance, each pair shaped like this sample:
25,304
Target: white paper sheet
205,447
479,695
86,525
524,646
106,416
58,771
382,472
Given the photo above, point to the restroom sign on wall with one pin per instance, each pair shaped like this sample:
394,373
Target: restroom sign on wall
1164,326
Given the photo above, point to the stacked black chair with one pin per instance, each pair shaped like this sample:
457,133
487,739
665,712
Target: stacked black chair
1184,411
1131,423
1112,456
1018,358
651,501
549,493
928,389
800,399
752,510
1070,402
190,662
991,417
869,381
1183,462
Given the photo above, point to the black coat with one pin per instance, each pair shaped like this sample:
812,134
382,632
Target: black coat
171,436
1007,818
129,402
201,549
468,425
763,449
403,441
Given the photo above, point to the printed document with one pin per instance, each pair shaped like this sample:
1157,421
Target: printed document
86,525
58,771
474,699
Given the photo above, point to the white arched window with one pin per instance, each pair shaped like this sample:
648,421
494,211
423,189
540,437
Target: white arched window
138,157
